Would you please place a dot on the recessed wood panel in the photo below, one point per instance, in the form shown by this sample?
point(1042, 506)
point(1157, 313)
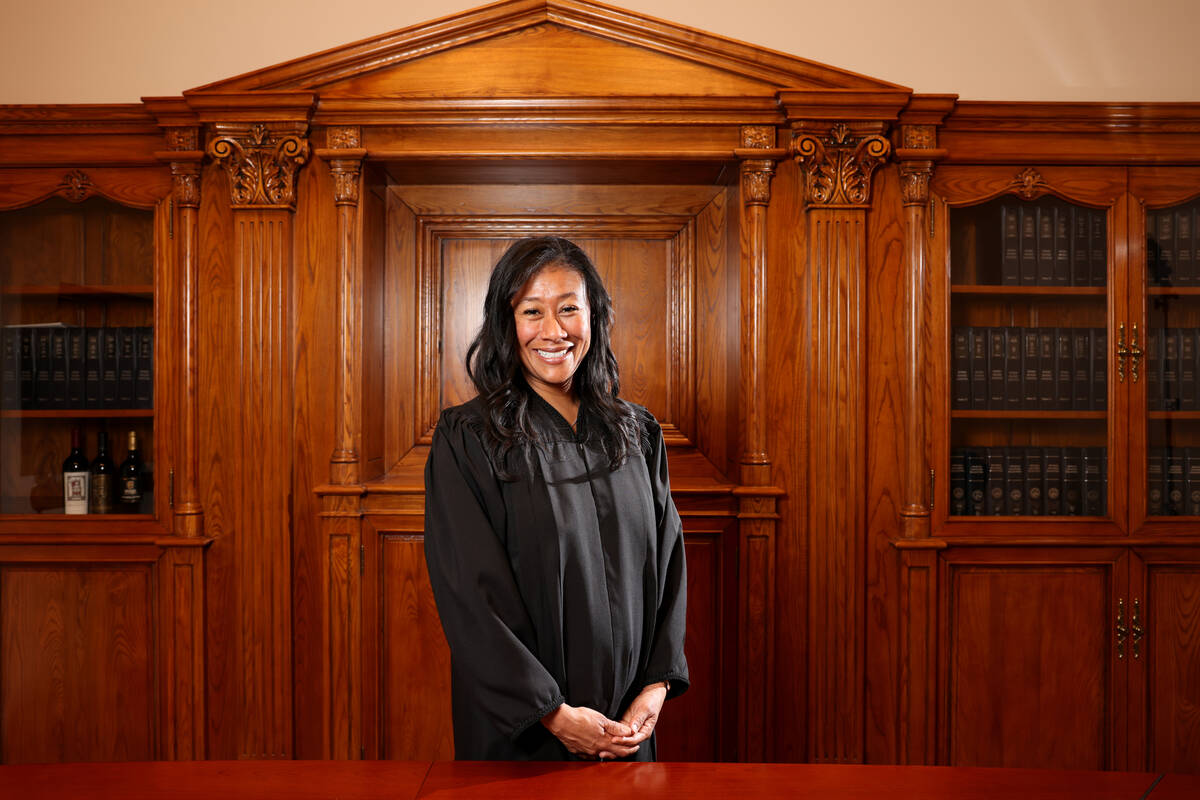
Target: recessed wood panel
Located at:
point(1028, 656)
point(76, 680)
point(1172, 651)
point(415, 660)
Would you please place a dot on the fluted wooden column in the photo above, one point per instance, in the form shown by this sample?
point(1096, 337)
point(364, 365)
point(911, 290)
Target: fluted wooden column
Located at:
point(340, 517)
point(757, 516)
point(917, 153)
point(838, 160)
point(261, 160)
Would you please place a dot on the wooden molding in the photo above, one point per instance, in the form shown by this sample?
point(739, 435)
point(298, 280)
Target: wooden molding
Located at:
point(261, 161)
point(838, 163)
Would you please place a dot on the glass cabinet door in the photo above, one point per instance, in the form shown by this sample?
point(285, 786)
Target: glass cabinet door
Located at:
point(77, 310)
point(1166, 357)
point(1029, 384)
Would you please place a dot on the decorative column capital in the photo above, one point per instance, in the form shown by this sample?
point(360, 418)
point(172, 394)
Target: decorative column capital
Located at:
point(184, 155)
point(344, 152)
point(261, 160)
point(916, 143)
point(758, 155)
point(838, 161)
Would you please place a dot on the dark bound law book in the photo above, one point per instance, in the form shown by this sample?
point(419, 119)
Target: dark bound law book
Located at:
point(108, 367)
point(42, 386)
point(1052, 473)
point(1072, 481)
point(126, 366)
point(1029, 249)
point(1081, 253)
point(1154, 483)
point(1047, 398)
point(1187, 369)
point(1062, 246)
point(1014, 482)
point(76, 388)
point(958, 483)
point(1093, 481)
point(1165, 237)
point(1034, 482)
point(1170, 369)
point(979, 367)
point(92, 368)
point(1154, 271)
point(976, 481)
point(994, 458)
point(1174, 463)
point(1031, 362)
point(10, 368)
point(960, 368)
point(27, 368)
point(1185, 262)
point(1099, 369)
point(1010, 233)
point(1099, 245)
point(997, 351)
point(1191, 481)
point(57, 397)
point(1153, 369)
point(1081, 372)
point(143, 388)
point(1045, 258)
point(1012, 368)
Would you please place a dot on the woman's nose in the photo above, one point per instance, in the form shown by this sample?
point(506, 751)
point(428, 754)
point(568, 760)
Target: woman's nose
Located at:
point(552, 328)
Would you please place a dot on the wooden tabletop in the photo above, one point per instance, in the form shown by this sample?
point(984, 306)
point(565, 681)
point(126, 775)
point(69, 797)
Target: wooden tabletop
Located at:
point(447, 780)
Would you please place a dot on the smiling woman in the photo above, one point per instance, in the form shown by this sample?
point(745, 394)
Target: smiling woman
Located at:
point(554, 549)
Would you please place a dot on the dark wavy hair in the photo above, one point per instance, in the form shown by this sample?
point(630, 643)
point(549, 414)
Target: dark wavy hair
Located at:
point(494, 362)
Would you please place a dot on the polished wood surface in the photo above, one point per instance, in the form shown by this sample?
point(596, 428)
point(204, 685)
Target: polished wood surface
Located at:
point(464, 779)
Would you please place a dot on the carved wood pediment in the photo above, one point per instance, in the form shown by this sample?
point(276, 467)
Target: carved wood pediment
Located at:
point(544, 48)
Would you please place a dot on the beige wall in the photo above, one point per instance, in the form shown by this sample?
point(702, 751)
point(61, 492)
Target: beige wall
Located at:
point(114, 51)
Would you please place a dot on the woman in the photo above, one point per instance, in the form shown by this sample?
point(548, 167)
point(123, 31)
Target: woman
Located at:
point(553, 546)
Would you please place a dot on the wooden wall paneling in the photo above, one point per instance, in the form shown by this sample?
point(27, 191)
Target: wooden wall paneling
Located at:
point(77, 660)
point(181, 680)
point(139, 188)
point(323, 685)
point(1050, 701)
point(838, 160)
point(404, 331)
point(787, 438)
point(885, 469)
point(260, 162)
point(1164, 660)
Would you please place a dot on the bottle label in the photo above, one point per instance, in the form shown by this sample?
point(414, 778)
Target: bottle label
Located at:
point(131, 490)
point(102, 494)
point(75, 492)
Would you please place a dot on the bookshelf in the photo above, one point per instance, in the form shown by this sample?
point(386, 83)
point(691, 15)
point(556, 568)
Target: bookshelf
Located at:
point(77, 296)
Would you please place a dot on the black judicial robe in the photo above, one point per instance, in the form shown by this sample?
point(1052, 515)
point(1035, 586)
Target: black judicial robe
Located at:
point(567, 585)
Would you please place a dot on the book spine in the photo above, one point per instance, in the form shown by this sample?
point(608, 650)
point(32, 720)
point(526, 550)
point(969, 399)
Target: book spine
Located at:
point(93, 398)
point(108, 366)
point(1014, 481)
point(1099, 388)
point(1012, 368)
point(1191, 468)
point(958, 483)
point(1154, 369)
point(1165, 235)
point(1154, 483)
point(979, 368)
point(1170, 369)
point(994, 458)
point(1093, 501)
point(76, 391)
point(143, 395)
point(1081, 254)
point(1010, 232)
point(1081, 379)
point(1154, 271)
point(1030, 368)
point(58, 368)
point(1045, 257)
point(976, 482)
point(1062, 246)
point(961, 368)
point(43, 388)
point(1174, 482)
point(1072, 480)
point(1099, 245)
point(1029, 253)
point(28, 368)
point(1187, 369)
point(1052, 475)
point(1034, 482)
point(997, 349)
point(1047, 397)
point(10, 371)
point(1184, 252)
point(126, 366)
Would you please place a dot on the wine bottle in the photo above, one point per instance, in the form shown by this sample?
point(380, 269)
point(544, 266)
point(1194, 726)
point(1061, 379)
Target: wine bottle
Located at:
point(102, 477)
point(129, 479)
point(75, 477)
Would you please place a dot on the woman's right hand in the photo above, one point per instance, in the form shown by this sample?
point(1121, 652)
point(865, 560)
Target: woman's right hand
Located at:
point(586, 732)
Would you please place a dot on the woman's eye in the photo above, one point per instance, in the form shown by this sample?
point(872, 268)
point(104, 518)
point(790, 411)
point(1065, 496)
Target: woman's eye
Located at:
point(569, 309)
point(530, 312)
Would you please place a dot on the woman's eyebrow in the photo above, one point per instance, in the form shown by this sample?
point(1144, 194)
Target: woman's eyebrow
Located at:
point(532, 298)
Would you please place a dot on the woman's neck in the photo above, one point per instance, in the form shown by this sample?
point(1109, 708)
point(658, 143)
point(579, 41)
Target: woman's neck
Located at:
point(563, 400)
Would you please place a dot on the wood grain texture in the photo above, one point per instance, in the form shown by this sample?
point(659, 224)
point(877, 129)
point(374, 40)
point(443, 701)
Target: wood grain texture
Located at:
point(835, 366)
point(1171, 650)
point(1048, 701)
point(76, 657)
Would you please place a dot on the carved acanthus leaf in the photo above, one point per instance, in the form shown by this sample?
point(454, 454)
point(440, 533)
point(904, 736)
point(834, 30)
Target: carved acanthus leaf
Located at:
point(76, 186)
point(756, 181)
point(838, 166)
point(261, 165)
point(345, 180)
point(1030, 184)
point(185, 178)
point(914, 181)
point(758, 137)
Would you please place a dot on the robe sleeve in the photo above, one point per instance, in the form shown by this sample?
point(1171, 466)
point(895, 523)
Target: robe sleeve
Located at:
point(487, 625)
point(667, 661)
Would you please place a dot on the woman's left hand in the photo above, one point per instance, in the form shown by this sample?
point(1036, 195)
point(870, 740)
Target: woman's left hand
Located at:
point(642, 714)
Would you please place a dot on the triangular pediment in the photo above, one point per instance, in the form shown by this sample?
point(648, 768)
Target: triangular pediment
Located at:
point(545, 48)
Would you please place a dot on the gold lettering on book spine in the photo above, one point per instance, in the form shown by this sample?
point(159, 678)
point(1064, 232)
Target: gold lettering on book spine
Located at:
point(261, 164)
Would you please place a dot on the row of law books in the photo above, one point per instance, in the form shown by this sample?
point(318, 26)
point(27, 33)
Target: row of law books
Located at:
point(1173, 481)
point(1028, 481)
point(1053, 244)
point(56, 366)
point(1047, 369)
point(1172, 366)
point(1171, 244)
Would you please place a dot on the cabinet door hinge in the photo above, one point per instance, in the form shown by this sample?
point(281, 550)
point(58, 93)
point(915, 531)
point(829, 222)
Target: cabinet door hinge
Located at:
point(362, 559)
point(171, 488)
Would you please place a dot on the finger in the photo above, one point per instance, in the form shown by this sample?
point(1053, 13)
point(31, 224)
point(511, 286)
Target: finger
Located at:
point(613, 751)
point(614, 728)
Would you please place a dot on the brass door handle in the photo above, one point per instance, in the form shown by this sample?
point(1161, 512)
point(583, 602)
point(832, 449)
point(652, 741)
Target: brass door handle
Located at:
point(1122, 353)
point(1122, 631)
point(1135, 351)
point(1136, 628)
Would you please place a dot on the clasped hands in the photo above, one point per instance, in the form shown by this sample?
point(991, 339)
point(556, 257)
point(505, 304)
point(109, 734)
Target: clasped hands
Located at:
point(586, 732)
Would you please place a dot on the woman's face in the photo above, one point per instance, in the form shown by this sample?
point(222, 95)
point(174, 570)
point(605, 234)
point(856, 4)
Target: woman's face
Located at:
point(554, 327)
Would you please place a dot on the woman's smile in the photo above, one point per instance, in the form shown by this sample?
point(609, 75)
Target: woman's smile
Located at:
point(553, 327)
